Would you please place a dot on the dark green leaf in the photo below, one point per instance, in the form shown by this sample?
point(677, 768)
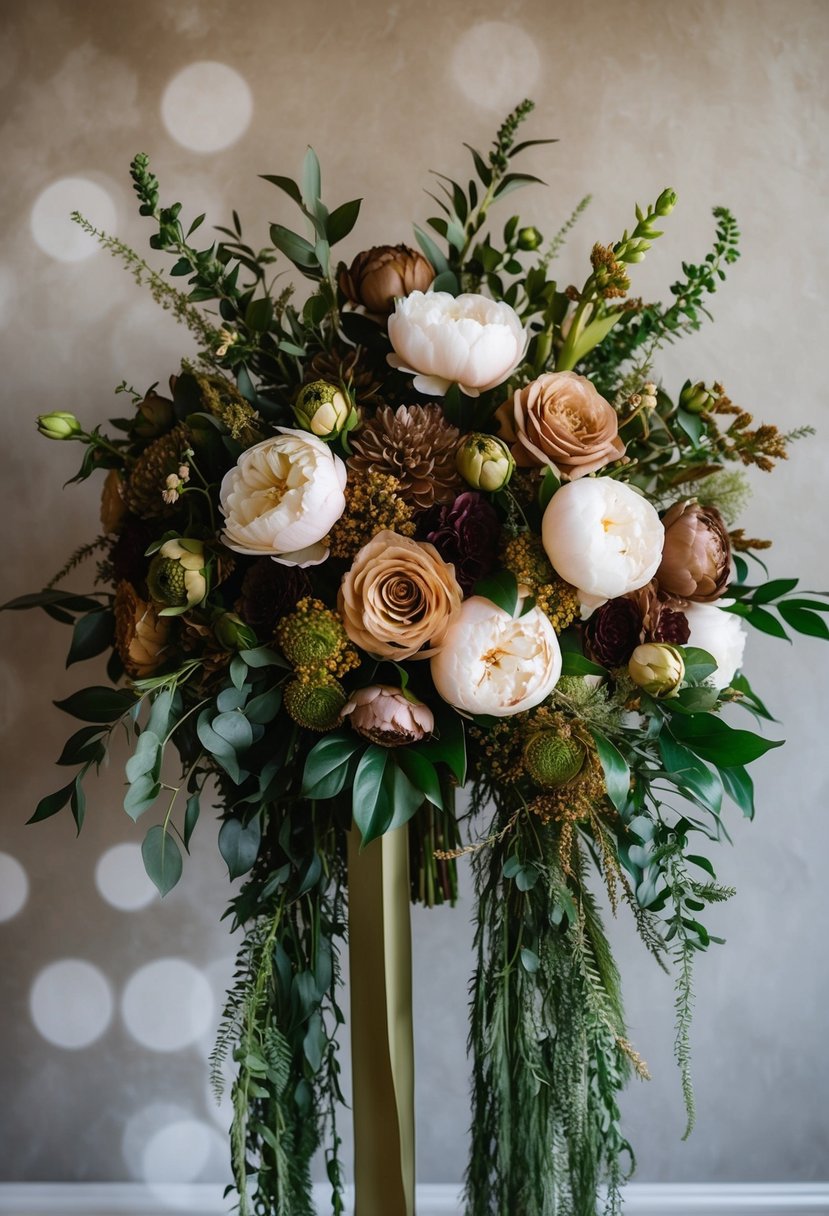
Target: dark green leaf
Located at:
point(763, 620)
point(690, 774)
point(98, 704)
point(739, 786)
point(372, 803)
point(803, 621)
point(529, 143)
point(699, 664)
point(264, 708)
point(191, 818)
point(146, 758)
point(341, 220)
point(239, 845)
point(162, 858)
point(714, 740)
point(52, 596)
point(84, 745)
point(295, 247)
point(616, 770)
point(77, 802)
point(421, 772)
point(52, 803)
point(550, 482)
point(263, 656)
point(448, 744)
point(438, 259)
point(447, 281)
point(234, 728)
point(92, 635)
point(574, 664)
point(501, 588)
point(514, 181)
point(284, 183)
point(141, 795)
point(773, 590)
point(326, 766)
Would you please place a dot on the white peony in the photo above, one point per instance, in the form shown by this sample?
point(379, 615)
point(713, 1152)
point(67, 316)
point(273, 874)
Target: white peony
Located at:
point(468, 340)
point(722, 634)
point(602, 537)
point(493, 663)
point(282, 497)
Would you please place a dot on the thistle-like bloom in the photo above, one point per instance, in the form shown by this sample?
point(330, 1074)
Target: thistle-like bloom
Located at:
point(468, 340)
point(496, 664)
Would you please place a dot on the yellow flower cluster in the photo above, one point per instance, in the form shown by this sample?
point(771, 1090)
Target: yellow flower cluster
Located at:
point(524, 557)
point(313, 640)
point(372, 504)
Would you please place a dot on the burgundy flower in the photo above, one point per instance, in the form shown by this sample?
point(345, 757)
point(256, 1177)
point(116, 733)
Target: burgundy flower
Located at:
point(613, 632)
point(662, 617)
point(466, 534)
point(671, 626)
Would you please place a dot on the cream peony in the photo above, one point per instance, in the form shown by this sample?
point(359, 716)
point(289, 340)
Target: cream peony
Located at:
point(496, 664)
point(722, 634)
point(602, 537)
point(282, 497)
point(467, 340)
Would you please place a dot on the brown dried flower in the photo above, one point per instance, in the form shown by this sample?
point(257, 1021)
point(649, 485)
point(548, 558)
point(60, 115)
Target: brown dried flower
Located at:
point(378, 276)
point(148, 477)
point(398, 597)
point(415, 444)
point(561, 420)
point(141, 635)
point(696, 556)
point(113, 506)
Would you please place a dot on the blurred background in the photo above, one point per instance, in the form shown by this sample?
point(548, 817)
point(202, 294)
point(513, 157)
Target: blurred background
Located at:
point(111, 997)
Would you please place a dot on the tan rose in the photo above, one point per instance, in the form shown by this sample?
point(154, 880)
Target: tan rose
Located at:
point(141, 635)
point(398, 597)
point(113, 504)
point(696, 557)
point(377, 277)
point(561, 420)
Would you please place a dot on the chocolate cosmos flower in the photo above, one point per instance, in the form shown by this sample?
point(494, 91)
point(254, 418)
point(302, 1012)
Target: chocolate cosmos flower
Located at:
point(466, 535)
point(613, 632)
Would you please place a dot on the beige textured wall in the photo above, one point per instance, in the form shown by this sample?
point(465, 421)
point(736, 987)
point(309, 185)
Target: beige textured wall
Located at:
point(726, 101)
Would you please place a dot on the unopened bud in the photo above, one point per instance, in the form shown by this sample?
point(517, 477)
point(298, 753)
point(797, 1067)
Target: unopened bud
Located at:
point(657, 668)
point(529, 238)
point(323, 409)
point(695, 397)
point(484, 462)
point(666, 202)
point(58, 425)
point(232, 632)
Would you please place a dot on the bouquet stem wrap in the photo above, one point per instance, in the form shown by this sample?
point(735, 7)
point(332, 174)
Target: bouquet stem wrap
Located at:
point(382, 1046)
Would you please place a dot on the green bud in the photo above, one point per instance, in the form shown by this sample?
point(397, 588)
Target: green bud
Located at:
point(232, 632)
point(552, 760)
point(323, 409)
point(666, 202)
point(58, 425)
point(484, 462)
point(695, 397)
point(529, 238)
point(657, 668)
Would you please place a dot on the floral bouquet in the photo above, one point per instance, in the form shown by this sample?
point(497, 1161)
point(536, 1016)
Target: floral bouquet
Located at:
point(433, 524)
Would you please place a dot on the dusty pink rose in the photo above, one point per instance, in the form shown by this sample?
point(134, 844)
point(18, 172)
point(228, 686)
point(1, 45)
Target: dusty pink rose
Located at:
point(386, 715)
point(561, 420)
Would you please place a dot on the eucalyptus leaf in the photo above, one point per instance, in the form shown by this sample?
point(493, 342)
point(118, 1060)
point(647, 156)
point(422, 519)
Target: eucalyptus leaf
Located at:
point(162, 859)
point(239, 845)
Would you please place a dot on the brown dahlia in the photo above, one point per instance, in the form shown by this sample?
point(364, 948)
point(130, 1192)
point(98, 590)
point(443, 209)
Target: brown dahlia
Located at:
point(415, 444)
point(148, 477)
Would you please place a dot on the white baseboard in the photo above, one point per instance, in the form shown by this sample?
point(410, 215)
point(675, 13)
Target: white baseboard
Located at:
point(642, 1199)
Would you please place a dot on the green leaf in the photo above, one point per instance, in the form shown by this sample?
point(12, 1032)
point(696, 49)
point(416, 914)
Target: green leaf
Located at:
point(740, 684)
point(529, 960)
point(162, 859)
point(314, 1042)
point(234, 728)
point(326, 766)
point(263, 656)
point(264, 708)
point(406, 798)
point(699, 664)
point(514, 181)
point(77, 802)
point(616, 770)
point(146, 758)
point(259, 314)
point(84, 745)
point(191, 818)
point(529, 143)
point(762, 620)
point(591, 336)
point(239, 845)
point(550, 482)
point(52, 803)
point(98, 704)
point(724, 746)
point(803, 621)
point(421, 773)
point(431, 250)
point(141, 795)
point(311, 180)
point(773, 590)
point(575, 664)
point(739, 786)
point(372, 804)
point(166, 704)
point(284, 183)
point(92, 635)
point(295, 247)
point(501, 588)
point(341, 220)
point(690, 773)
point(691, 424)
point(447, 281)
point(448, 743)
point(692, 700)
point(51, 597)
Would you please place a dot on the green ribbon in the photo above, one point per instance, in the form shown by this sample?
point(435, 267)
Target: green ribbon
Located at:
point(382, 1045)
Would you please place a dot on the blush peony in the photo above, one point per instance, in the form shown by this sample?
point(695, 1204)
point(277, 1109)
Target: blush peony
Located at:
point(282, 497)
point(602, 537)
point(468, 340)
point(493, 663)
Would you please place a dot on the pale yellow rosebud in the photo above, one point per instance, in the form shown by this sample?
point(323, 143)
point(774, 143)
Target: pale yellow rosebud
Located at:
point(484, 462)
point(58, 425)
point(657, 668)
point(323, 409)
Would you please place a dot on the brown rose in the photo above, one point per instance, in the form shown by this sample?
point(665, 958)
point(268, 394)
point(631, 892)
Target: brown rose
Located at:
point(140, 633)
point(696, 557)
point(561, 420)
point(378, 276)
point(398, 597)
